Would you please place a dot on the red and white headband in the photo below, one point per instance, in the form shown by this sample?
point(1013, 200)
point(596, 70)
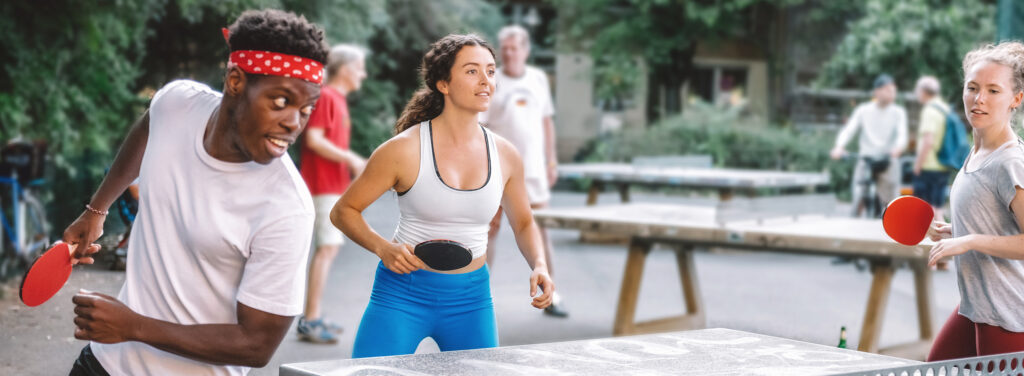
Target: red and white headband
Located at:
point(277, 64)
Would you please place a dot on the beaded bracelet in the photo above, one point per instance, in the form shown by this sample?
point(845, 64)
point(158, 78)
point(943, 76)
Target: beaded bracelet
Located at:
point(94, 211)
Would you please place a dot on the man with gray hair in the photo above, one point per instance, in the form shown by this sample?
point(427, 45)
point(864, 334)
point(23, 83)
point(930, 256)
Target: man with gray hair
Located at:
point(521, 111)
point(930, 176)
point(327, 166)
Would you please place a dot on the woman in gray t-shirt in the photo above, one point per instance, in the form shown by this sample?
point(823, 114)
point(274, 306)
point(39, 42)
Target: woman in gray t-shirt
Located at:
point(986, 237)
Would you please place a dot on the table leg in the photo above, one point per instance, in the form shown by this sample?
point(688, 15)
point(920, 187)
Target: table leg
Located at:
point(725, 194)
point(625, 318)
point(878, 298)
point(624, 192)
point(688, 277)
point(630, 290)
point(923, 292)
point(595, 189)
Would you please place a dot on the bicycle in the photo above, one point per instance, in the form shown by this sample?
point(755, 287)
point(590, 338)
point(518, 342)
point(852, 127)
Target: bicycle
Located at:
point(27, 230)
point(868, 204)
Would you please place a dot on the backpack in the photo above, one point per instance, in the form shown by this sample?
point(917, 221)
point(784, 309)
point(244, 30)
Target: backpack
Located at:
point(954, 147)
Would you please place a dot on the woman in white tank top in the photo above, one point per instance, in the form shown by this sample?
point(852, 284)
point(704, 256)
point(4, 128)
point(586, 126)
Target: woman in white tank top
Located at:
point(451, 175)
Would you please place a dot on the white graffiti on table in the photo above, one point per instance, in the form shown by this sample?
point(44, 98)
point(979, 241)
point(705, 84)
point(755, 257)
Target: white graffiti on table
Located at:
point(601, 349)
point(518, 369)
point(561, 357)
point(378, 370)
point(790, 352)
point(724, 342)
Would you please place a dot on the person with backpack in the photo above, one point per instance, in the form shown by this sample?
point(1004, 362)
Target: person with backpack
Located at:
point(930, 176)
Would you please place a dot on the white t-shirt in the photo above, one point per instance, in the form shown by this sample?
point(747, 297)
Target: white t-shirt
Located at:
point(209, 234)
point(517, 113)
point(882, 129)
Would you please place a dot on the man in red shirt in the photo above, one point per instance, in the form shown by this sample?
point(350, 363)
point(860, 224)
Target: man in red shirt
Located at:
point(327, 167)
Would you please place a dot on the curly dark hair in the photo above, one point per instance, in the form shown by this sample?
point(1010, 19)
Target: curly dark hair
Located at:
point(427, 103)
point(278, 31)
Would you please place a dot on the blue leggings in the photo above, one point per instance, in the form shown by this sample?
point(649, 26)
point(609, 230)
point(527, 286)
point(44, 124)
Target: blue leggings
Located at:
point(454, 309)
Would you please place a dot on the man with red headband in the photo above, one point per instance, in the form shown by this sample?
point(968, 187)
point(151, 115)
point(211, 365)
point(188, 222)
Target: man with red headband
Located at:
point(220, 242)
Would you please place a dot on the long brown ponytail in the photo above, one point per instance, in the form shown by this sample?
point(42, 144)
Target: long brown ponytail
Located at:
point(427, 103)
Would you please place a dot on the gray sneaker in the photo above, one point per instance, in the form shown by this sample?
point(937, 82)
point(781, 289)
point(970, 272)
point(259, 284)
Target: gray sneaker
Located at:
point(316, 331)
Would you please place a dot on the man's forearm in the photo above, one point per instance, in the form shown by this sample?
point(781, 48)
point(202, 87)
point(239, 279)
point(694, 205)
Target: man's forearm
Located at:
point(126, 165)
point(923, 150)
point(549, 140)
point(210, 343)
point(329, 151)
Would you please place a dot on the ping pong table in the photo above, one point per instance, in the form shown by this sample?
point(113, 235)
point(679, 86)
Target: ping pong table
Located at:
point(727, 181)
point(704, 352)
point(685, 228)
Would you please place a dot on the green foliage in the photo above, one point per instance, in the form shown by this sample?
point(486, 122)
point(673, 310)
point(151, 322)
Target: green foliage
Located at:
point(397, 42)
point(184, 40)
point(78, 73)
point(661, 33)
point(908, 39)
point(731, 140)
point(68, 78)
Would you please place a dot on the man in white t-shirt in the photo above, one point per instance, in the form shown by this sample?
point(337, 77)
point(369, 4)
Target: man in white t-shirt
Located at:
point(219, 246)
point(882, 128)
point(521, 112)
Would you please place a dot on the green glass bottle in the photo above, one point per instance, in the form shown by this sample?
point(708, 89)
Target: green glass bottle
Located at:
point(842, 338)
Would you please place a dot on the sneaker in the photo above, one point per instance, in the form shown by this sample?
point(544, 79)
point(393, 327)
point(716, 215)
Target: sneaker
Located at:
point(556, 310)
point(316, 331)
point(331, 325)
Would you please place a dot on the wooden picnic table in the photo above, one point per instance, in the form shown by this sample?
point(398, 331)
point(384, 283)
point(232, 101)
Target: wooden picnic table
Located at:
point(727, 181)
point(685, 228)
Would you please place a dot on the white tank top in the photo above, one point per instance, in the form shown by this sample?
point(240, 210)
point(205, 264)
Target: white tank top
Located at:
point(431, 209)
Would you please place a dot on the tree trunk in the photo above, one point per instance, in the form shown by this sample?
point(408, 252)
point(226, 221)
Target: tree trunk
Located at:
point(668, 79)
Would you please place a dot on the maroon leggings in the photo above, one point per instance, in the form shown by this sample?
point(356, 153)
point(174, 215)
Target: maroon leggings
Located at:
point(963, 338)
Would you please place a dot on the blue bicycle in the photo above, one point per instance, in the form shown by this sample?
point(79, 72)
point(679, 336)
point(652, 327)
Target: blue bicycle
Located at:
point(24, 235)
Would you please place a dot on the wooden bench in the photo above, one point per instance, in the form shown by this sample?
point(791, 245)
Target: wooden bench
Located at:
point(686, 228)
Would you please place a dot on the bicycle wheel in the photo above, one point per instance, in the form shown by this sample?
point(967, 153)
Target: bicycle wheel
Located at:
point(37, 229)
point(10, 262)
point(10, 265)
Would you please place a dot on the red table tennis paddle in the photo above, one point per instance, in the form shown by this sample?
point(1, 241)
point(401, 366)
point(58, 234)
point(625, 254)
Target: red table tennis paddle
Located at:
point(906, 219)
point(443, 254)
point(46, 275)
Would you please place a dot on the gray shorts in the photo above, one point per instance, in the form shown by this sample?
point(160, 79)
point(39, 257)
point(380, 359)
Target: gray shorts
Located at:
point(324, 232)
point(887, 185)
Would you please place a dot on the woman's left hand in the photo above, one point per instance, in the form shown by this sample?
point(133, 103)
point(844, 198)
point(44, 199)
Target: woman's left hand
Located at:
point(541, 279)
point(949, 248)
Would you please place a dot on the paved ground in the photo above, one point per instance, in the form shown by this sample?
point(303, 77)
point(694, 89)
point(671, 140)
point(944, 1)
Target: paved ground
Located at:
point(805, 298)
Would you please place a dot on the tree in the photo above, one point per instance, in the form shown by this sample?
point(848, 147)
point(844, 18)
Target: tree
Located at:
point(908, 39)
point(78, 73)
point(662, 33)
point(68, 77)
point(397, 40)
point(184, 40)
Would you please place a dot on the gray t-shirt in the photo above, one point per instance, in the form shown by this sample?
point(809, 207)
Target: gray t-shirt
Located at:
point(991, 288)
